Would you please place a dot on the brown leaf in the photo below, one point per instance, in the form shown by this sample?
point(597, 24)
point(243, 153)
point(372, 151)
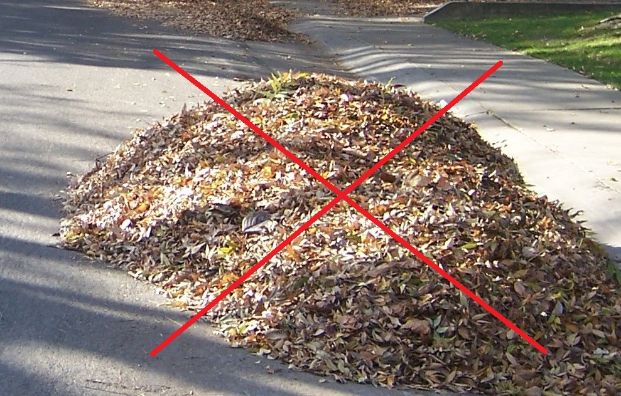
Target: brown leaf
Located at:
point(418, 326)
point(387, 177)
point(534, 391)
point(519, 288)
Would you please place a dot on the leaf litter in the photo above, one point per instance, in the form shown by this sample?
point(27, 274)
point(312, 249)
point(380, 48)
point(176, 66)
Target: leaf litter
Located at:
point(232, 19)
point(191, 203)
point(377, 8)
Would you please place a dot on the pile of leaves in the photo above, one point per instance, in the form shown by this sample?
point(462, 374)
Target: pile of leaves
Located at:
point(375, 8)
point(191, 203)
point(233, 19)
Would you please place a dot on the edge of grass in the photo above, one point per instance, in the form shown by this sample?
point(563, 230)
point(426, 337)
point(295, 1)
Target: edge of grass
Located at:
point(571, 40)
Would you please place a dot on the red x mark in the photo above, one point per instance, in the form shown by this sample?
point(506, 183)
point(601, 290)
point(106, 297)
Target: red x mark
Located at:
point(340, 194)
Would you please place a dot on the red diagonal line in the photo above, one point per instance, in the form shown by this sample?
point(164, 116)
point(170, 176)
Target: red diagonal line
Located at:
point(245, 276)
point(340, 195)
point(246, 121)
point(423, 127)
point(448, 276)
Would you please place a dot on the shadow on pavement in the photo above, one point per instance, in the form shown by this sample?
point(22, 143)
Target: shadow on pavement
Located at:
point(73, 33)
point(419, 53)
point(561, 128)
point(69, 327)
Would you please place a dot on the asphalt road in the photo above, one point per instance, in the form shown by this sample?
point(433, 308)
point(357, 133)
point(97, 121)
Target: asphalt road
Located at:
point(74, 81)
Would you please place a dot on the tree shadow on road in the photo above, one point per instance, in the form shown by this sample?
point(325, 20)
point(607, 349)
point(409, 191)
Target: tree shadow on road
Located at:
point(91, 328)
point(71, 32)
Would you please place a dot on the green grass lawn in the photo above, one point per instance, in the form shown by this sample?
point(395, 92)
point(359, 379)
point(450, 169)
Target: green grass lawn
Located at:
point(570, 40)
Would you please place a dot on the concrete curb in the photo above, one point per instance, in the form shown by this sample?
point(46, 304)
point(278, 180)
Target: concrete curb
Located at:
point(469, 10)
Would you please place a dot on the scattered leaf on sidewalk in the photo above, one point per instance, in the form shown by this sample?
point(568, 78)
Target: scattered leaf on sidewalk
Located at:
point(372, 8)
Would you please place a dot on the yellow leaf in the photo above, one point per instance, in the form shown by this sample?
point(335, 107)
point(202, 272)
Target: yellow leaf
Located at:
point(267, 172)
point(143, 207)
point(225, 250)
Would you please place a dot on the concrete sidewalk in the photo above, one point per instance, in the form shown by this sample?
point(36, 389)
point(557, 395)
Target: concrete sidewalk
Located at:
point(563, 130)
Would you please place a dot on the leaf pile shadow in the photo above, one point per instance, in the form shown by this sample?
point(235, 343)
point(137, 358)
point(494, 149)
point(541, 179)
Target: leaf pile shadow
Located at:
point(191, 203)
point(233, 19)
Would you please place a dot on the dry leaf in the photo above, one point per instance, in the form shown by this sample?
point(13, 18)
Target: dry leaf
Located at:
point(418, 326)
